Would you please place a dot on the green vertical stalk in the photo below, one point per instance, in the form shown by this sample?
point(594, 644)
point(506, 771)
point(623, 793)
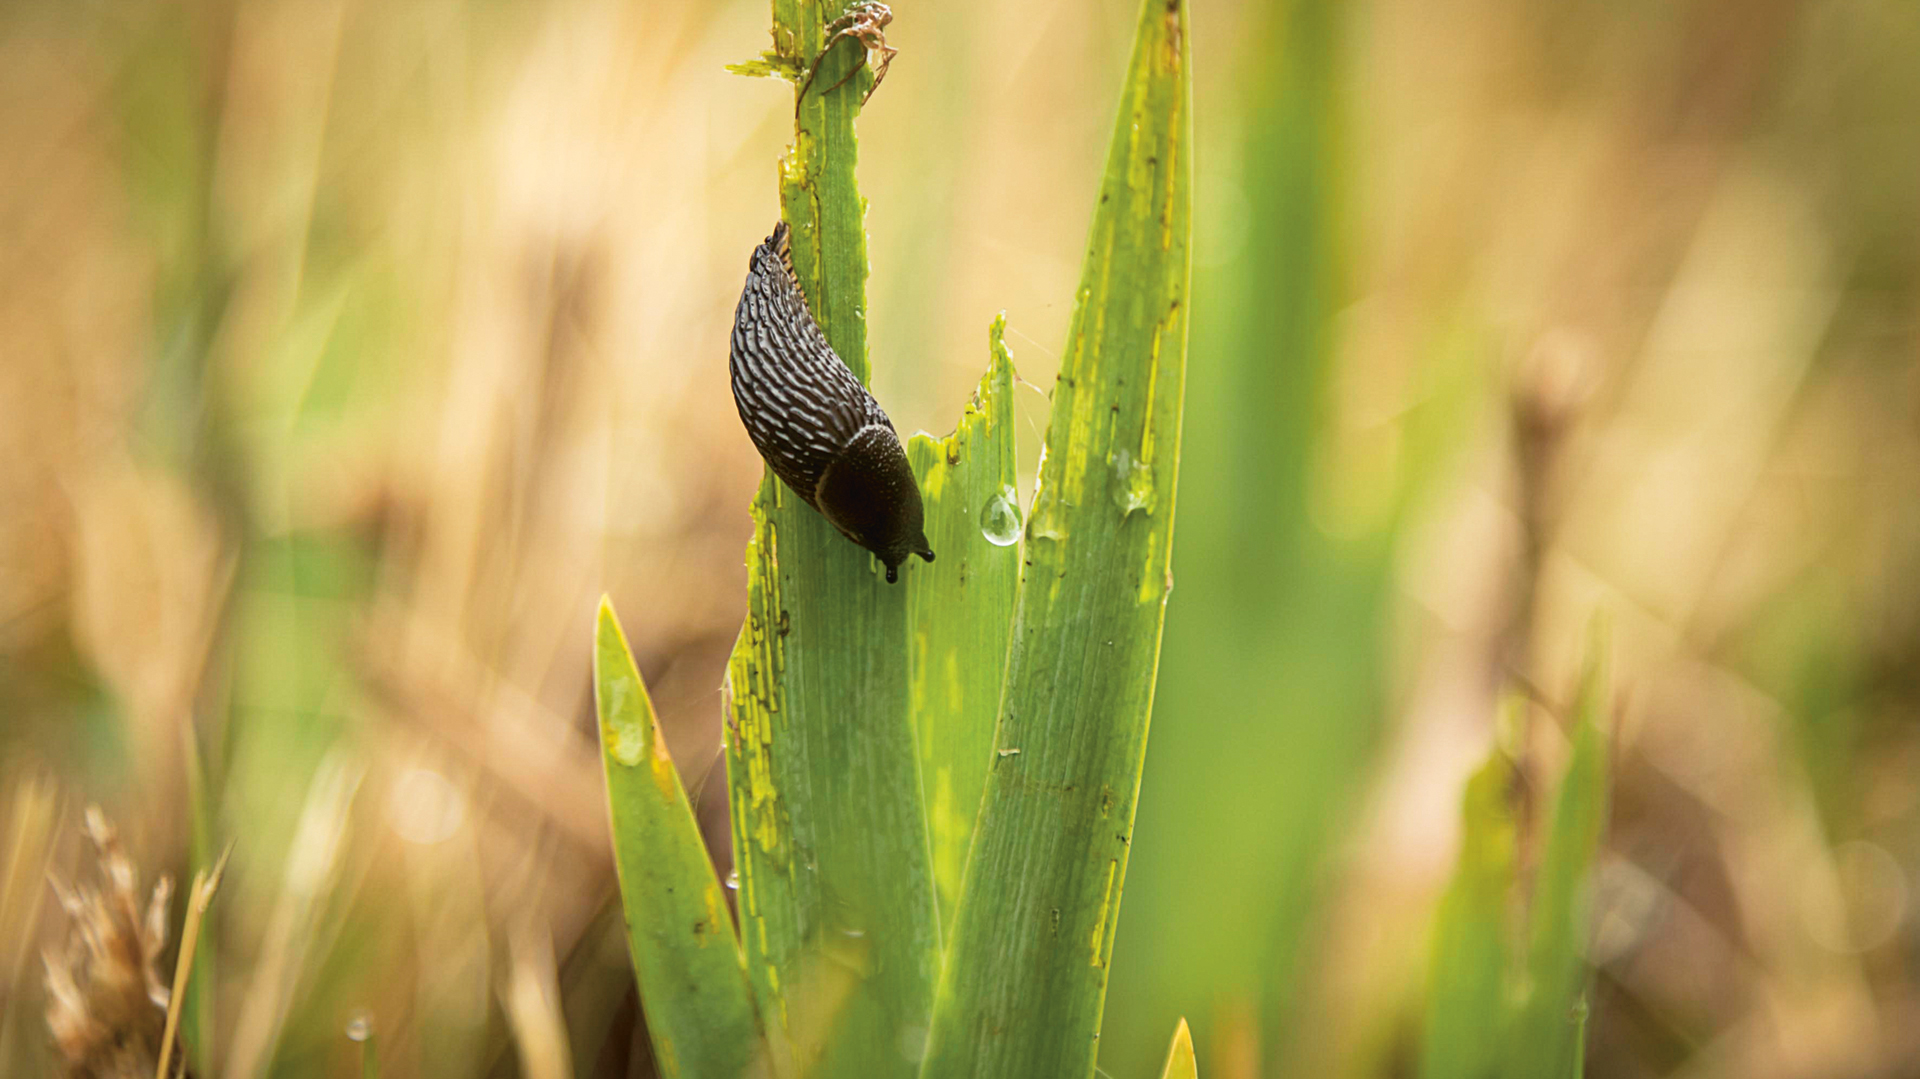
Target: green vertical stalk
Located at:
point(829, 834)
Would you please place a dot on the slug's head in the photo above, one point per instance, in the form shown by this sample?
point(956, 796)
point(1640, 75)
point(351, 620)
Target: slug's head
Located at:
point(907, 536)
point(870, 495)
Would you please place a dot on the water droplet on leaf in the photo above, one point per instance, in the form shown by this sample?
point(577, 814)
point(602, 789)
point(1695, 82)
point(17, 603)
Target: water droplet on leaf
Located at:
point(1000, 518)
point(1132, 482)
point(1045, 522)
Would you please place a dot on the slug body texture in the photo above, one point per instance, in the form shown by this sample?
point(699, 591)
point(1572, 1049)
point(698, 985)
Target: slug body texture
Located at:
point(819, 429)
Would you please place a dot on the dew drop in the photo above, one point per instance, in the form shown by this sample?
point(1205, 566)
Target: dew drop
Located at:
point(1132, 482)
point(1045, 522)
point(733, 880)
point(359, 1028)
point(1000, 518)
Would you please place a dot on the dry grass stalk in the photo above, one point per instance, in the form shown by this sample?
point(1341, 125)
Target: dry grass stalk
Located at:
point(28, 838)
point(204, 885)
point(532, 999)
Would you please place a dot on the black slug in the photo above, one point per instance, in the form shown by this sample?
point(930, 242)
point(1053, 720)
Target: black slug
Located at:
point(818, 428)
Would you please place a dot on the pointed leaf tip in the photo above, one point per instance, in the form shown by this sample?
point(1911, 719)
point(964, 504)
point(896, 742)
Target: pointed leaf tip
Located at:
point(1180, 1061)
point(699, 1007)
point(608, 637)
point(620, 699)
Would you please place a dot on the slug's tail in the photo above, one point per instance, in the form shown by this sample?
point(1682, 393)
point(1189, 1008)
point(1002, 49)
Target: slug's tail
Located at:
point(777, 245)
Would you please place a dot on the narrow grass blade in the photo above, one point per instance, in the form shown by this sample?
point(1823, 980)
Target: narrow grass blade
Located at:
point(197, 1009)
point(23, 875)
point(1027, 967)
point(830, 839)
point(1180, 1062)
point(961, 610)
point(1549, 1030)
point(1467, 999)
point(692, 982)
point(199, 898)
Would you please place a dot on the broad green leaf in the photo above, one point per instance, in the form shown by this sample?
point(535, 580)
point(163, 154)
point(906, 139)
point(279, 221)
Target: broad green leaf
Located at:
point(1467, 996)
point(685, 957)
point(829, 835)
point(1180, 1062)
point(1549, 1031)
point(961, 610)
point(1027, 966)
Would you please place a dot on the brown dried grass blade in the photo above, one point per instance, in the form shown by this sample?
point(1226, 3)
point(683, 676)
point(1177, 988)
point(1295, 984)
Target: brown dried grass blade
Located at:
point(200, 897)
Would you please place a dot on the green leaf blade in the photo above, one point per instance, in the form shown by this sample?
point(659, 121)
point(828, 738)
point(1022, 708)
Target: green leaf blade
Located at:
point(961, 611)
point(1026, 971)
point(823, 771)
point(686, 958)
point(1467, 1000)
point(1549, 1031)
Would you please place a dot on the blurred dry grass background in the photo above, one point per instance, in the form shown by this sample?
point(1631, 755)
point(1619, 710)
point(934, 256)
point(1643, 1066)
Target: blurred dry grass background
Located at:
point(352, 350)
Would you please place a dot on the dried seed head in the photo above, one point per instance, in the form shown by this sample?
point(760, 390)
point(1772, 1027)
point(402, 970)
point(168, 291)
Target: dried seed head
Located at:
point(819, 429)
point(106, 994)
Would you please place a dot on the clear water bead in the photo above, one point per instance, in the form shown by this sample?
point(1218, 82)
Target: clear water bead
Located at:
point(1000, 519)
point(1132, 483)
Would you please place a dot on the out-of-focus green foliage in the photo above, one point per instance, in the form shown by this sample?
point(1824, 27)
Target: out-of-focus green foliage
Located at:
point(1547, 1035)
point(1271, 606)
point(1514, 1005)
point(1469, 1011)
